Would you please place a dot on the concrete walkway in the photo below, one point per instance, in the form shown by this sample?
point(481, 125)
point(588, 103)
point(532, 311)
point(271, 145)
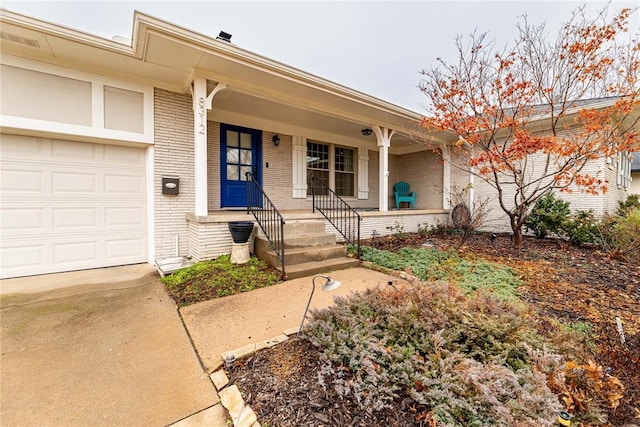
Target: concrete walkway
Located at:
point(110, 351)
point(229, 323)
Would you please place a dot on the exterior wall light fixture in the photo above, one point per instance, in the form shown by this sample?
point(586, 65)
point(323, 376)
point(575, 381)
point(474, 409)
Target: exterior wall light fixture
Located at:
point(276, 140)
point(367, 131)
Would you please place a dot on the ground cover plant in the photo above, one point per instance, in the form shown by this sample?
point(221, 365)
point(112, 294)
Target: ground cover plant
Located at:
point(218, 278)
point(432, 264)
point(463, 361)
point(570, 297)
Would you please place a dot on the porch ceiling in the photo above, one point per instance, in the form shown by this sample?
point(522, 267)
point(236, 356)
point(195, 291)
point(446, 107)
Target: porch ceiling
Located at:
point(245, 109)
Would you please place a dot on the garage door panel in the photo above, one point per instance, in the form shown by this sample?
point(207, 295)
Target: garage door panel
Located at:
point(64, 182)
point(124, 155)
point(73, 151)
point(74, 218)
point(75, 252)
point(22, 219)
point(14, 146)
point(120, 217)
point(23, 257)
point(69, 205)
point(20, 181)
point(124, 248)
point(123, 184)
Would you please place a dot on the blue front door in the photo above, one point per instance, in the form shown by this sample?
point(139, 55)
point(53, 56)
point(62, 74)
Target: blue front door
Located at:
point(241, 152)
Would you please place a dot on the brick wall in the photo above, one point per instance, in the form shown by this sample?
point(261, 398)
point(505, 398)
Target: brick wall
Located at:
point(173, 156)
point(213, 165)
point(277, 178)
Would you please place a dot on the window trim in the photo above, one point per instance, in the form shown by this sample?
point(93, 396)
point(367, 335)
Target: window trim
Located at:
point(623, 170)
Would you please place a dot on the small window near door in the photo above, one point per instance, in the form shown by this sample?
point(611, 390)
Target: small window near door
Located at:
point(332, 165)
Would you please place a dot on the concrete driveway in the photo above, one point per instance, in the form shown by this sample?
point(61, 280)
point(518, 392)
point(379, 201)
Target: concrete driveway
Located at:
point(111, 350)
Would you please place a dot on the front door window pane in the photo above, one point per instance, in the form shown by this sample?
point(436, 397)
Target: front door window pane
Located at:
point(245, 140)
point(245, 157)
point(232, 139)
point(243, 172)
point(232, 172)
point(232, 155)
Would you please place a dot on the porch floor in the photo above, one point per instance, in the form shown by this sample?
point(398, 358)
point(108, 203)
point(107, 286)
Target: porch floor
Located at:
point(295, 214)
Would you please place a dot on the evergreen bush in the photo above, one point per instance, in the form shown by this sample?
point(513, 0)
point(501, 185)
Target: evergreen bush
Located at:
point(549, 215)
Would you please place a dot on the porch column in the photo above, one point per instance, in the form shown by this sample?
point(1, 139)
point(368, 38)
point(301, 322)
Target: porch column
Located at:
point(201, 104)
point(446, 177)
point(383, 136)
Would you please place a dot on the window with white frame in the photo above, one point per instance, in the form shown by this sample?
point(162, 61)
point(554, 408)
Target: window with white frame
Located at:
point(624, 169)
point(333, 165)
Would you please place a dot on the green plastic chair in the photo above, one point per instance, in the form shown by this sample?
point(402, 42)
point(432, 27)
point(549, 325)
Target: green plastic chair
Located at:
point(402, 194)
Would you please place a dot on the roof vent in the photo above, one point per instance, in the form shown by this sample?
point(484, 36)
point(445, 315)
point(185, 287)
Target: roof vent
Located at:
point(18, 39)
point(225, 37)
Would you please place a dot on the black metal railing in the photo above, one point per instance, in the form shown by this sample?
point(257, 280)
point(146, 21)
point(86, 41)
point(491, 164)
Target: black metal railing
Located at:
point(338, 212)
point(268, 217)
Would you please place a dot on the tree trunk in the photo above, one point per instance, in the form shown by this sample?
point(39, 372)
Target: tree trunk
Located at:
point(516, 227)
point(517, 237)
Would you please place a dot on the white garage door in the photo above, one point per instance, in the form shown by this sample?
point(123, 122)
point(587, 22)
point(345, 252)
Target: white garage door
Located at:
point(69, 205)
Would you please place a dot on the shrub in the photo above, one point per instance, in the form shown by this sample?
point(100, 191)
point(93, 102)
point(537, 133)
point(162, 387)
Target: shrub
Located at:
point(465, 217)
point(398, 230)
point(582, 227)
point(549, 215)
point(621, 234)
point(467, 361)
point(632, 202)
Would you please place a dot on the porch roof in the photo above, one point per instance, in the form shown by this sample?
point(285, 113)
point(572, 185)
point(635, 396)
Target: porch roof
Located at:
point(169, 56)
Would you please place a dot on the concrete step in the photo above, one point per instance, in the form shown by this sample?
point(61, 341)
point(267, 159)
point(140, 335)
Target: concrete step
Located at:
point(303, 227)
point(307, 240)
point(297, 227)
point(307, 254)
point(299, 241)
point(316, 267)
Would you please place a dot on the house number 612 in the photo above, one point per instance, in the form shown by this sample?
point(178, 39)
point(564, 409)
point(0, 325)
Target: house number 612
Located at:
point(202, 114)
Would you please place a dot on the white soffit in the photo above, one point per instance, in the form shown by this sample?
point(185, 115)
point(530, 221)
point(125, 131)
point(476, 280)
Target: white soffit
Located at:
point(171, 53)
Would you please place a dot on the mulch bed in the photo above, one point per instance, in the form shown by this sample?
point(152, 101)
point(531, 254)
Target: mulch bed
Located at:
point(563, 281)
point(281, 386)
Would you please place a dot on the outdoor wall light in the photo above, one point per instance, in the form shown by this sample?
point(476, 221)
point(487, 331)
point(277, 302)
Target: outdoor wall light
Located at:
point(276, 140)
point(329, 285)
point(367, 131)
